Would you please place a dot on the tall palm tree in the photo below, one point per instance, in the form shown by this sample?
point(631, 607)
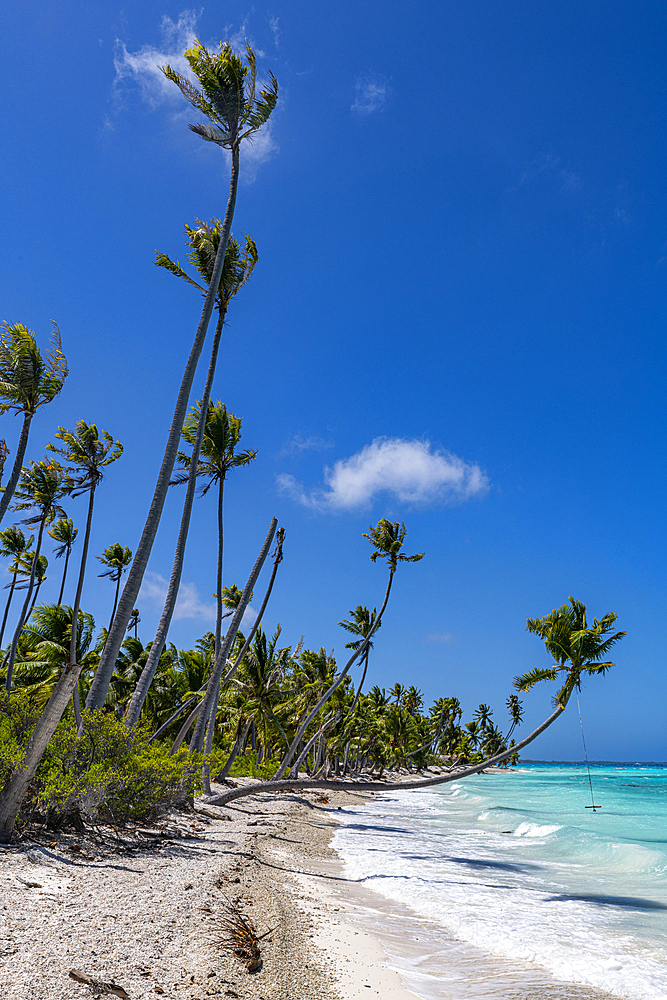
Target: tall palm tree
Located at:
point(116, 559)
point(63, 532)
point(238, 267)
point(361, 624)
point(229, 99)
point(13, 545)
point(41, 488)
point(40, 578)
point(28, 380)
point(386, 538)
point(222, 433)
point(577, 647)
point(87, 452)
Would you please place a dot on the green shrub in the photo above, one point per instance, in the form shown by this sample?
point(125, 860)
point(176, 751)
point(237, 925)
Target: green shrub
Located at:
point(244, 766)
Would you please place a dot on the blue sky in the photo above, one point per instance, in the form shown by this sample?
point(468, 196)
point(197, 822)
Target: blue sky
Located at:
point(457, 319)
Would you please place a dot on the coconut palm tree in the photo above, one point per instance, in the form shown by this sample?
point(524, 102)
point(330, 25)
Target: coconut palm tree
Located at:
point(229, 100)
point(40, 578)
point(116, 559)
point(222, 433)
point(238, 267)
point(386, 538)
point(87, 452)
point(28, 380)
point(13, 545)
point(63, 532)
point(44, 649)
point(576, 647)
point(41, 488)
point(362, 624)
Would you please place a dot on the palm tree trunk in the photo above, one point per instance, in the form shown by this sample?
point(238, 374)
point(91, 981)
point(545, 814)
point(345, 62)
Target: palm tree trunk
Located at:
point(24, 610)
point(218, 589)
point(34, 600)
point(16, 468)
point(9, 601)
point(213, 687)
point(239, 743)
point(339, 680)
point(148, 673)
point(104, 673)
point(17, 784)
point(115, 600)
point(62, 585)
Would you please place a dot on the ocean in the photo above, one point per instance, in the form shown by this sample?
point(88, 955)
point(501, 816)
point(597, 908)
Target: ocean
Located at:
point(511, 875)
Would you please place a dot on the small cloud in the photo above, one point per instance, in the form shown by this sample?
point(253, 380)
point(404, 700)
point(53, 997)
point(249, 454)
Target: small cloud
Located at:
point(371, 93)
point(546, 164)
point(298, 444)
point(189, 603)
point(273, 24)
point(409, 470)
point(440, 637)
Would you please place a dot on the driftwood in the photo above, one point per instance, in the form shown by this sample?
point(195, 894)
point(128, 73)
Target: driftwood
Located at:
point(97, 984)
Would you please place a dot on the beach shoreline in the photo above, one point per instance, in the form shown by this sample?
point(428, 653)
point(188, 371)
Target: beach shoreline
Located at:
point(149, 918)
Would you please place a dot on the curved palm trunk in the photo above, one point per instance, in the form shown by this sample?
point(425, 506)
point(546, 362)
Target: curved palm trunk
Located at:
point(17, 784)
point(382, 786)
point(148, 673)
point(9, 601)
point(24, 610)
point(287, 759)
point(62, 584)
point(212, 691)
point(102, 679)
point(115, 600)
point(239, 743)
point(8, 493)
point(77, 603)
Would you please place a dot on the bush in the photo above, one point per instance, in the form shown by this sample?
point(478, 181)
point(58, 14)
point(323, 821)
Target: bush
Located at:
point(244, 767)
point(110, 773)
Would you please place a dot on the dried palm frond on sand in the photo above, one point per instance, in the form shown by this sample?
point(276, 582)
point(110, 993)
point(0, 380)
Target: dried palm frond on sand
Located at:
point(240, 934)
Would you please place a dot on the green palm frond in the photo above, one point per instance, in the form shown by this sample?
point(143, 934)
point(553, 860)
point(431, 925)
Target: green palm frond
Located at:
point(28, 379)
point(162, 260)
point(87, 452)
point(526, 681)
point(387, 539)
point(203, 241)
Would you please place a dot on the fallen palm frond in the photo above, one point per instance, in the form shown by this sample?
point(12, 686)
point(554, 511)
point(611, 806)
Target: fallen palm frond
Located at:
point(240, 934)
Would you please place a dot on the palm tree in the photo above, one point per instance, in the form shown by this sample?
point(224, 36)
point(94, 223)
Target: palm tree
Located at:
point(64, 532)
point(116, 559)
point(222, 433)
point(515, 708)
point(362, 624)
point(4, 455)
point(134, 621)
point(387, 539)
point(87, 453)
point(40, 488)
point(576, 647)
point(13, 545)
point(40, 577)
point(238, 267)
point(27, 381)
point(229, 100)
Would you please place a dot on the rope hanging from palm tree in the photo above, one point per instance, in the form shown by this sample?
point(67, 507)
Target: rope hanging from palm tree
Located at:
point(588, 766)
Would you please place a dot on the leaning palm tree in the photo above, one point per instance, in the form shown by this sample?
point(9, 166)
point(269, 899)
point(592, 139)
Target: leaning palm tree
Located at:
point(238, 267)
point(222, 433)
point(13, 545)
point(40, 489)
point(63, 532)
point(362, 624)
point(236, 112)
point(387, 539)
point(28, 380)
point(87, 453)
point(116, 559)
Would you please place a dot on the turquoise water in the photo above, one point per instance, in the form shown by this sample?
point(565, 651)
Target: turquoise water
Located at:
point(515, 865)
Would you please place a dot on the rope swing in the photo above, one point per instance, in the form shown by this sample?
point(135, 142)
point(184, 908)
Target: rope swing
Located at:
point(588, 766)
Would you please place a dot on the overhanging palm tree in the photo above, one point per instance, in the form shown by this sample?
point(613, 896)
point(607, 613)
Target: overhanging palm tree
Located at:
point(116, 559)
point(13, 545)
point(238, 267)
point(63, 532)
point(235, 111)
point(27, 381)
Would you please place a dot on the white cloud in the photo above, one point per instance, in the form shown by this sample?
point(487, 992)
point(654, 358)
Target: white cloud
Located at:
point(189, 603)
point(439, 637)
point(144, 69)
point(370, 95)
point(298, 444)
point(409, 470)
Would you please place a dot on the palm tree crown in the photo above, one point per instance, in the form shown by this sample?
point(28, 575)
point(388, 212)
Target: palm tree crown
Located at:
point(228, 95)
point(204, 241)
point(222, 433)
point(387, 539)
point(87, 452)
point(28, 379)
point(115, 558)
point(576, 647)
point(63, 532)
